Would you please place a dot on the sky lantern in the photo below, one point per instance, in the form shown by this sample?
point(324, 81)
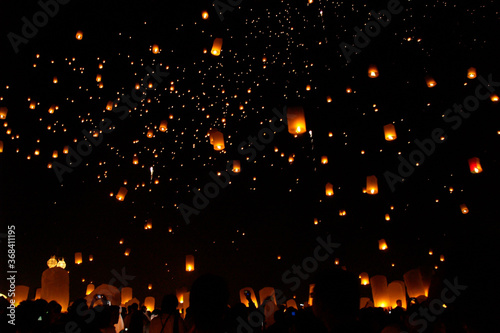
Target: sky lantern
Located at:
point(150, 133)
point(471, 73)
point(121, 194)
point(91, 257)
point(204, 15)
point(308, 87)
point(149, 303)
point(149, 224)
point(150, 286)
point(217, 139)
point(3, 112)
point(390, 132)
point(126, 294)
point(54, 80)
point(348, 90)
point(365, 279)
point(382, 245)
point(155, 49)
point(78, 258)
point(329, 189)
point(163, 126)
point(79, 35)
point(291, 158)
point(371, 185)
point(52, 262)
point(430, 82)
point(1, 146)
point(396, 290)
point(328, 99)
point(387, 217)
point(55, 286)
point(189, 263)
point(315, 221)
point(65, 149)
point(474, 165)
point(379, 291)
point(494, 98)
point(296, 120)
point(342, 212)
point(55, 154)
point(109, 106)
point(372, 71)
point(32, 105)
point(236, 166)
point(216, 47)
point(135, 160)
point(98, 78)
point(414, 282)
point(464, 209)
point(324, 159)
point(127, 252)
point(441, 257)
point(90, 289)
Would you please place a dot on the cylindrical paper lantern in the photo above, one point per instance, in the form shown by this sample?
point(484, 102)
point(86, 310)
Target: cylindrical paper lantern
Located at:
point(371, 185)
point(430, 82)
point(390, 132)
point(149, 303)
point(90, 289)
point(216, 47)
point(121, 194)
point(78, 258)
point(372, 71)
point(365, 279)
point(329, 189)
point(126, 294)
point(474, 165)
point(379, 291)
point(163, 126)
point(55, 286)
point(236, 166)
point(471, 73)
point(21, 294)
point(3, 112)
point(296, 120)
point(189, 263)
point(382, 245)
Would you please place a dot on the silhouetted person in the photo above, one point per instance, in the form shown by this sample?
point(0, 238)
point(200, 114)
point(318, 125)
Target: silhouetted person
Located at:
point(168, 320)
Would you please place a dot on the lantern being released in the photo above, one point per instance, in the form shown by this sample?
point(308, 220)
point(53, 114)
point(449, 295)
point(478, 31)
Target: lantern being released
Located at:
point(189, 263)
point(372, 71)
point(216, 47)
point(121, 194)
point(149, 303)
point(474, 165)
point(296, 120)
point(55, 286)
point(390, 132)
point(90, 289)
point(371, 185)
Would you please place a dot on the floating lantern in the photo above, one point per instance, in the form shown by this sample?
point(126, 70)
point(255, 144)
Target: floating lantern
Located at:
point(396, 290)
point(342, 212)
point(382, 245)
point(474, 165)
point(430, 82)
point(371, 185)
point(441, 257)
point(126, 294)
point(236, 166)
point(54, 80)
point(78, 258)
point(55, 154)
point(324, 159)
point(121, 194)
point(150, 133)
point(372, 71)
point(135, 160)
point(150, 286)
point(65, 149)
point(217, 139)
point(91, 257)
point(365, 279)
point(308, 87)
point(52, 262)
point(149, 303)
point(315, 221)
point(163, 126)
point(414, 282)
point(155, 49)
point(296, 120)
point(149, 224)
point(379, 291)
point(79, 35)
point(109, 106)
point(204, 15)
point(328, 99)
point(3, 112)
point(494, 98)
point(121, 241)
point(471, 73)
point(216, 47)
point(348, 90)
point(55, 286)
point(387, 217)
point(98, 78)
point(127, 252)
point(329, 189)
point(90, 289)
point(390, 132)
point(464, 209)
point(1, 146)
point(291, 158)
point(32, 105)
point(189, 263)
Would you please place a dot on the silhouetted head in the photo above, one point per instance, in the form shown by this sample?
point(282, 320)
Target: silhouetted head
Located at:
point(208, 302)
point(169, 303)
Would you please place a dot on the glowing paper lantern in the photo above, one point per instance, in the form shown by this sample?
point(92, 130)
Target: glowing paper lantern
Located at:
point(387, 217)
point(109, 106)
point(121, 194)
point(441, 257)
point(329, 189)
point(163, 126)
point(372, 71)
point(155, 49)
point(382, 245)
point(324, 160)
point(216, 47)
point(430, 82)
point(149, 303)
point(396, 291)
point(265, 293)
point(65, 149)
point(150, 133)
point(494, 98)
point(379, 291)
point(55, 154)
point(61, 263)
point(78, 258)
point(204, 15)
point(21, 294)
point(464, 209)
point(189, 263)
point(236, 166)
point(91, 257)
point(52, 262)
point(243, 298)
point(149, 224)
point(471, 73)
point(328, 99)
point(55, 286)
point(127, 252)
point(291, 304)
point(38, 293)
point(371, 185)
point(365, 279)
point(90, 289)
point(79, 35)
point(415, 286)
point(98, 78)
point(135, 160)
point(126, 295)
point(474, 165)
point(3, 112)
point(390, 132)
point(217, 139)
point(296, 120)
point(1, 146)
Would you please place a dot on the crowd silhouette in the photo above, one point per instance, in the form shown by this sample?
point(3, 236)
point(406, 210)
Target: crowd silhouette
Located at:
point(336, 308)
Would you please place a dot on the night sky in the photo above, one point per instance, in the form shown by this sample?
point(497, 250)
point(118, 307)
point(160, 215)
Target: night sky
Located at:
point(271, 52)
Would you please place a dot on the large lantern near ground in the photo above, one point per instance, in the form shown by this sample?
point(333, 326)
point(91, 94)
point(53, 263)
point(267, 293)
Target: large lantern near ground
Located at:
point(189, 263)
point(379, 291)
point(55, 286)
point(216, 47)
point(296, 120)
point(371, 185)
point(126, 294)
point(149, 303)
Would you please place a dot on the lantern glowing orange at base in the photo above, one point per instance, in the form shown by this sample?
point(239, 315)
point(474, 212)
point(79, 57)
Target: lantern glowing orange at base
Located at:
point(371, 185)
point(372, 71)
point(390, 132)
point(474, 165)
point(382, 245)
point(471, 73)
point(163, 126)
point(189, 263)
point(430, 82)
point(78, 258)
point(121, 194)
point(216, 47)
point(329, 189)
point(296, 120)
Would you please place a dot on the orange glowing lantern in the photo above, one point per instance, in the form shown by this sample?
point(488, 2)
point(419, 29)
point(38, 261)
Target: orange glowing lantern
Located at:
point(471, 73)
point(150, 286)
point(121, 194)
point(32, 105)
point(348, 90)
point(91, 257)
point(379, 291)
point(3, 112)
point(324, 160)
point(342, 212)
point(163, 126)
point(155, 49)
point(149, 303)
point(430, 82)
point(90, 289)
point(217, 139)
point(79, 35)
point(371, 185)
point(382, 245)
point(1, 146)
point(78, 258)
point(365, 279)
point(54, 80)
point(464, 209)
point(474, 165)
point(328, 99)
point(55, 286)
point(441, 257)
point(150, 133)
point(109, 106)
point(204, 15)
point(315, 221)
point(126, 294)
point(55, 154)
point(372, 71)
point(216, 47)
point(149, 224)
point(98, 78)
point(296, 120)
point(127, 252)
point(236, 166)
point(387, 217)
point(291, 158)
point(308, 87)
point(189, 263)
point(390, 132)
point(494, 98)
point(135, 160)
point(65, 149)
point(329, 189)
